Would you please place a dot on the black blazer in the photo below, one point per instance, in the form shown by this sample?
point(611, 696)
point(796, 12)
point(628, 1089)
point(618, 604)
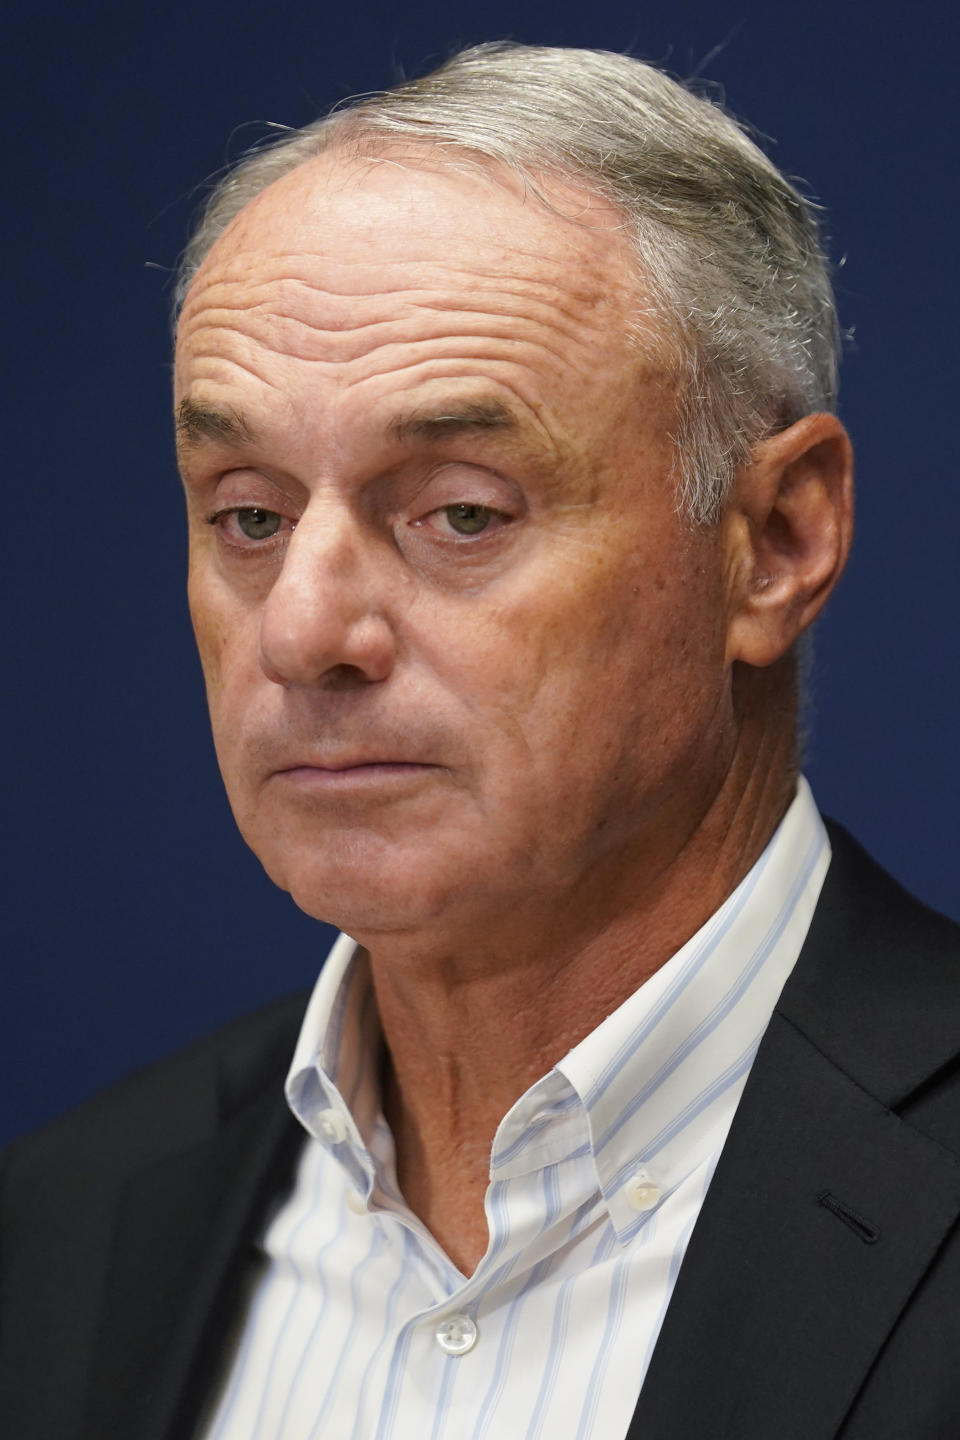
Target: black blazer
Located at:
point(819, 1297)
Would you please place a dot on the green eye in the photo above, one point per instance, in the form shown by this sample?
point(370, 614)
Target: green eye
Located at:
point(468, 519)
point(257, 524)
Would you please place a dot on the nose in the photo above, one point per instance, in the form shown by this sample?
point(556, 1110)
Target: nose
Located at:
point(323, 620)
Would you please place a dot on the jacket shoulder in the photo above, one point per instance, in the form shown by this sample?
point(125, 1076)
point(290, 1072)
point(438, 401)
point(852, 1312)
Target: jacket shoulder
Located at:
point(877, 985)
point(857, 884)
point(62, 1195)
point(168, 1104)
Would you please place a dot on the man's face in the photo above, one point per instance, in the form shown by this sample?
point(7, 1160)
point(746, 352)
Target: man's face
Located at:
point(465, 664)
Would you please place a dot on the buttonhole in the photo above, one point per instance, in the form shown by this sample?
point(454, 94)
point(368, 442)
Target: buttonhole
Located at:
point(858, 1223)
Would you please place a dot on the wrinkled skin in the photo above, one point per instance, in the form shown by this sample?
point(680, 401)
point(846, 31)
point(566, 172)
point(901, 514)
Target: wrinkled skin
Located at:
point(427, 716)
point(479, 696)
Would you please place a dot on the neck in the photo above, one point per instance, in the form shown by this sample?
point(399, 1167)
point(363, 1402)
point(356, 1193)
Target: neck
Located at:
point(470, 1027)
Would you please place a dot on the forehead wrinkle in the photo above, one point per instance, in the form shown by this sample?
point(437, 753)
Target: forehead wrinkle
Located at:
point(523, 309)
point(445, 358)
point(546, 326)
point(510, 362)
point(284, 293)
point(277, 283)
point(489, 255)
point(208, 364)
point(385, 356)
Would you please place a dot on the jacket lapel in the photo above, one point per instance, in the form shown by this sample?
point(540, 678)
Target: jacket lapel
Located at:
point(827, 1206)
point(184, 1226)
point(823, 1215)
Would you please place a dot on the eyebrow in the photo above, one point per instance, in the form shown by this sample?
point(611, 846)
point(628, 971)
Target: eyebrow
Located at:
point(196, 422)
point(441, 422)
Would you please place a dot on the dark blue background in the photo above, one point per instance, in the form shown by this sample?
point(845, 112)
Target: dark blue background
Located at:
point(137, 918)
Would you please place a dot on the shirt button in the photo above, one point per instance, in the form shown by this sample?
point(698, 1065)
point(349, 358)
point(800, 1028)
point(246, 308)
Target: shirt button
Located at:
point(456, 1335)
point(331, 1125)
point(356, 1202)
point(641, 1191)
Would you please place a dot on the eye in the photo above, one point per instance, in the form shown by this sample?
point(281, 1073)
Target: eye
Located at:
point(257, 524)
point(468, 519)
point(465, 519)
point(242, 523)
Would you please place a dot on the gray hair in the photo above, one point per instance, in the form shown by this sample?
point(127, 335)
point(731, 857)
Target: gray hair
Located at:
point(728, 250)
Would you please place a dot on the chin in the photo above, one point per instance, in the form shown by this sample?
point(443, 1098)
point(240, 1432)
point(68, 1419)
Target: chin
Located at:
point(364, 910)
point(362, 887)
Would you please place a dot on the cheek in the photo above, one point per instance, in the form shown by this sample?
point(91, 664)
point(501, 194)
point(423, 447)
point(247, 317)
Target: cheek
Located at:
point(207, 620)
point(632, 670)
point(589, 625)
point(227, 638)
point(533, 677)
point(210, 638)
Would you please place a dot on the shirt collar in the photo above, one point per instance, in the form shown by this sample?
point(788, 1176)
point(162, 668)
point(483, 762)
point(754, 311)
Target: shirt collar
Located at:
point(333, 1083)
point(653, 1089)
point(657, 1081)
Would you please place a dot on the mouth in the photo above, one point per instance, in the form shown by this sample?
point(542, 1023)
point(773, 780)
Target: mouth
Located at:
point(354, 773)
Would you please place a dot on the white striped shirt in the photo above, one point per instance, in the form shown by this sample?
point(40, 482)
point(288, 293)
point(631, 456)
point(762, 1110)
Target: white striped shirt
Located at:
point(359, 1327)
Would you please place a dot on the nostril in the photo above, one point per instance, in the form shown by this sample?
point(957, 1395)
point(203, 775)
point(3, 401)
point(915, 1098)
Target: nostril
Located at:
point(310, 646)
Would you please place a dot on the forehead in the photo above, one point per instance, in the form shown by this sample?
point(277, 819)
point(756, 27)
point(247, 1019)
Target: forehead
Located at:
point(401, 207)
point(341, 230)
point(356, 286)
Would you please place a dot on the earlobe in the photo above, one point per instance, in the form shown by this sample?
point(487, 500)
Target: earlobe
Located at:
point(789, 525)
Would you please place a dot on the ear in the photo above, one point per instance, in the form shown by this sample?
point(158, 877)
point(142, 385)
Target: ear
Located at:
point(788, 526)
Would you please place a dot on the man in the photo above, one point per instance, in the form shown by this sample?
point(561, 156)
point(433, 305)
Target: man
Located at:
point(504, 409)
